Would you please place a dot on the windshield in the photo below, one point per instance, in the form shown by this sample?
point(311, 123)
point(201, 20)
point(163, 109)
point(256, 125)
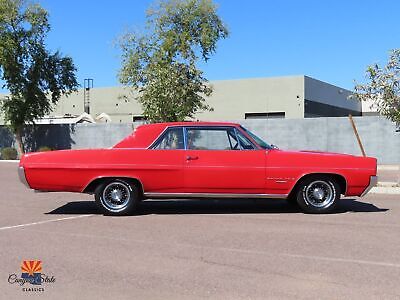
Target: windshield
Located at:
point(258, 140)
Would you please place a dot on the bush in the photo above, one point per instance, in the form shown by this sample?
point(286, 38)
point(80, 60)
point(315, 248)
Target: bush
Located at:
point(9, 153)
point(44, 149)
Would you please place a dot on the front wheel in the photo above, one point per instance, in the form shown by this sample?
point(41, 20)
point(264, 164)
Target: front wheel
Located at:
point(318, 194)
point(116, 197)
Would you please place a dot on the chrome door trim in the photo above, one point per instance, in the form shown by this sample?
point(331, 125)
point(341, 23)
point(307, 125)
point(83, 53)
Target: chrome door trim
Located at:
point(213, 195)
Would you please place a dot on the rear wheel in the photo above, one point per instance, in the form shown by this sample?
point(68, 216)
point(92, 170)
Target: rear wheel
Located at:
point(116, 197)
point(318, 194)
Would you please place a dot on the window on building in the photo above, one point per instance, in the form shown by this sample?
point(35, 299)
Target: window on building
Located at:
point(265, 115)
point(138, 118)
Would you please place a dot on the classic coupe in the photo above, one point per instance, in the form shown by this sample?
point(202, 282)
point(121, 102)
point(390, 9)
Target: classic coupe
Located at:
point(199, 160)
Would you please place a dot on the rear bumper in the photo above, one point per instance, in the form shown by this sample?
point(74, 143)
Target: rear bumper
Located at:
point(22, 177)
point(372, 182)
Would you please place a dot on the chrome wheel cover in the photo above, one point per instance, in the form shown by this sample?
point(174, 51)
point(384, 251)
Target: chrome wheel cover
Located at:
point(116, 196)
point(319, 194)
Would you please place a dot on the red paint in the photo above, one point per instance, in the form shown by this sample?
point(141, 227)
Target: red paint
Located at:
point(207, 171)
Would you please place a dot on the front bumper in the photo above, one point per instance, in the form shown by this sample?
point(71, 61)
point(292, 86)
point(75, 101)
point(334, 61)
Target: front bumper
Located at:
point(22, 177)
point(372, 182)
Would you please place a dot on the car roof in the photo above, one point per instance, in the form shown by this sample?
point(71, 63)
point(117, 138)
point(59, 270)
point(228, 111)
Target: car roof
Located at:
point(146, 134)
point(192, 123)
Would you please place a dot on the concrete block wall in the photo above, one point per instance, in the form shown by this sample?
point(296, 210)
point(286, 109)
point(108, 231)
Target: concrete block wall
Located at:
point(100, 135)
point(378, 135)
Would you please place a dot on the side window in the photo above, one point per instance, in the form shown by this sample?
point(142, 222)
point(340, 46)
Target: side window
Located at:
point(171, 139)
point(244, 142)
point(211, 139)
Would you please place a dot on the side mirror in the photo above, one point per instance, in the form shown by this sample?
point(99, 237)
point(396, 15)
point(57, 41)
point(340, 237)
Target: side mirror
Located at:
point(274, 146)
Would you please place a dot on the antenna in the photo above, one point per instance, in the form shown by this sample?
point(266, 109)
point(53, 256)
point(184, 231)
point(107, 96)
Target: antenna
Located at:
point(88, 84)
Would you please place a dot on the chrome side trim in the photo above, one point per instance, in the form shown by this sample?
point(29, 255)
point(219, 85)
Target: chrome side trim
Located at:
point(372, 182)
point(213, 195)
point(22, 177)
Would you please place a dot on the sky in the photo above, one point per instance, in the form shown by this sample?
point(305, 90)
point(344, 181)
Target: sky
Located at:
point(332, 40)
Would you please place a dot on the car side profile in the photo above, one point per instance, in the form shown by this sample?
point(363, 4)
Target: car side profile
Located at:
point(199, 160)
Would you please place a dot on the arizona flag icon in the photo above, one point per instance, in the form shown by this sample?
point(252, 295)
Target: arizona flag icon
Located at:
point(31, 270)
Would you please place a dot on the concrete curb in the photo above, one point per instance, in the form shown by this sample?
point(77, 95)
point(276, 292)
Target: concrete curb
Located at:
point(389, 167)
point(8, 161)
point(385, 190)
point(388, 184)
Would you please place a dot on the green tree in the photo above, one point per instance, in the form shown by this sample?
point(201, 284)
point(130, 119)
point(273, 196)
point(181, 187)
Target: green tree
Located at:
point(383, 87)
point(35, 77)
point(161, 63)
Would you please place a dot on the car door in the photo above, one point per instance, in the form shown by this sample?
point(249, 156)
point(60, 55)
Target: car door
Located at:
point(216, 162)
point(164, 172)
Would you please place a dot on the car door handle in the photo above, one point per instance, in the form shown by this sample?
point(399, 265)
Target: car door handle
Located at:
point(192, 157)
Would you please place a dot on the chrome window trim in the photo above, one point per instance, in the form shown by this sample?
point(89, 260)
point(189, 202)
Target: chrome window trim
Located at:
point(214, 195)
point(255, 146)
point(237, 139)
point(250, 138)
point(185, 137)
point(157, 138)
point(161, 135)
point(222, 127)
point(229, 140)
point(204, 127)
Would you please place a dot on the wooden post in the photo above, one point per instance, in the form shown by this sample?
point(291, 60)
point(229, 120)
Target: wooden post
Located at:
point(357, 136)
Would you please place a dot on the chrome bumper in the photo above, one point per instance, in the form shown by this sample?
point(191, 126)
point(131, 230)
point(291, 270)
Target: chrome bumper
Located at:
point(22, 177)
point(372, 182)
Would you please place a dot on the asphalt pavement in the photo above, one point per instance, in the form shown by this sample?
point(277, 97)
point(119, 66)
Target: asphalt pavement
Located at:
point(228, 249)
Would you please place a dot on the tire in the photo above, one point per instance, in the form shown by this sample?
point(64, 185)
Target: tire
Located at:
point(116, 197)
point(292, 200)
point(318, 194)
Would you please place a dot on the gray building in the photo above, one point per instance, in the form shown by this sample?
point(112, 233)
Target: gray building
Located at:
point(256, 98)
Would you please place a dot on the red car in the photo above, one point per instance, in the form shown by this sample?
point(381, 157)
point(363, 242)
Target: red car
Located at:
point(199, 160)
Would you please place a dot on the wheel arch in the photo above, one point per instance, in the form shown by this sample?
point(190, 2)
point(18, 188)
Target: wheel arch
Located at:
point(340, 179)
point(94, 183)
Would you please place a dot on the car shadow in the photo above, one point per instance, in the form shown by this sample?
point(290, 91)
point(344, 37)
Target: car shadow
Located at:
point(207, 206)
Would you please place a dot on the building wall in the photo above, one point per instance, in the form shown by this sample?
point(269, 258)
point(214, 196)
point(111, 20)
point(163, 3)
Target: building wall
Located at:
point(118, 102)
point(231, 99)
point(368, 109)
point(323, 99)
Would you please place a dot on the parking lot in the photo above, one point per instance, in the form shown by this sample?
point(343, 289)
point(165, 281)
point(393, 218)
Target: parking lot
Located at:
point(228, 249)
